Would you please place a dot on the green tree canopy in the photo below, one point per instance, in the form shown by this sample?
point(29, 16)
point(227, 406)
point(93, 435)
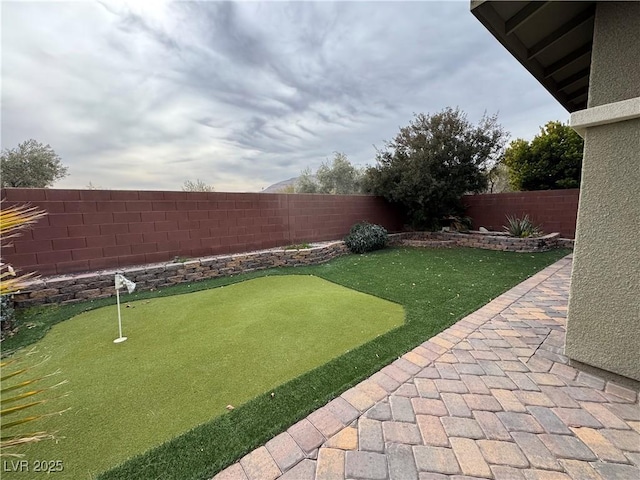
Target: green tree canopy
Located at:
point(498, 179)
point(31, 165)
point(339, 177)
point(306, 182)
point(552, 160)
point(433, 161)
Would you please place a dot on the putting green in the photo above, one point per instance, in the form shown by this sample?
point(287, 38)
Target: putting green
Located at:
point(186, 358)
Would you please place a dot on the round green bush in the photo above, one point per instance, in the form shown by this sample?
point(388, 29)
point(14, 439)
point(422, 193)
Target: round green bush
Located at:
point(366, 237)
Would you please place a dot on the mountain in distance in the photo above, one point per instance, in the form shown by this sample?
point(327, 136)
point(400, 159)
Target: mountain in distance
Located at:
point(277, 187)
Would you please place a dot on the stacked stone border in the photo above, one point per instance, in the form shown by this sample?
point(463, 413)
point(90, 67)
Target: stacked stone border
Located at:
point(86, 286)
point(72, 288)
point(553, 210)
point(487, 241)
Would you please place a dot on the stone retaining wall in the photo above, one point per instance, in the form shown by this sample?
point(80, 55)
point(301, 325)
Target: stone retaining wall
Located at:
point(566, 243)
point(553, 210)
point(80, 287)
point(479, 240)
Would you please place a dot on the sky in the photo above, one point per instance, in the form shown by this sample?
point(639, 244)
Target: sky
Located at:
point(148, 94)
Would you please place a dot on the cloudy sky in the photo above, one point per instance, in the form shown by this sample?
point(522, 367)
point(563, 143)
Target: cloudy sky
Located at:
point(147, 94)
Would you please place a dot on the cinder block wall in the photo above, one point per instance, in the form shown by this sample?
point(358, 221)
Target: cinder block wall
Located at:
point(554, 210)
point(87, 230)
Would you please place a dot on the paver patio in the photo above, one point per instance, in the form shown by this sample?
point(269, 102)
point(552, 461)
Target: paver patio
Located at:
point(493, 396)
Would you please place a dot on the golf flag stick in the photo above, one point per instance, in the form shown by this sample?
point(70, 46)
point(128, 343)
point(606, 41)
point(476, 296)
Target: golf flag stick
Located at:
point(120, 281)
point(120, 339)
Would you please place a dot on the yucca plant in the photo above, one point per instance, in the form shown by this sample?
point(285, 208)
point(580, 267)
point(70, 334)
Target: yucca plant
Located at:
point(521, 227)
point(17, 393)
point(12, 220)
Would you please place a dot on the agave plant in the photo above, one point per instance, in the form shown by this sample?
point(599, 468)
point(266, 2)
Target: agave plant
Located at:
point(521, 227)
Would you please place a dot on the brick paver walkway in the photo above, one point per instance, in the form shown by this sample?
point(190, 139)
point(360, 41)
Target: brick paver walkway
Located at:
point(491, 397)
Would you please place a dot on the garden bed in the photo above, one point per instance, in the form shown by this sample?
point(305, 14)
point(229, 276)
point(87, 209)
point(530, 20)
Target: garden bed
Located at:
point(87, 286)
point(64, 289)
point(484, 240)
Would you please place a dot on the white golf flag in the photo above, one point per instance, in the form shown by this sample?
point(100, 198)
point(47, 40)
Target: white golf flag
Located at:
point(121, 282)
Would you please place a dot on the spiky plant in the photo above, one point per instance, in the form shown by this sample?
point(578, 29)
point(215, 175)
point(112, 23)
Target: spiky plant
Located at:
point(12, 220)
point(19, 392)
point(521, 227)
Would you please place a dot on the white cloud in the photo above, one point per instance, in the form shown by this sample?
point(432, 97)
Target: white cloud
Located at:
point(242, 95)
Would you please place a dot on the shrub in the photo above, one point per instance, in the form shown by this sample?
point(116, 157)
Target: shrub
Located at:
point(366, 237)
point(7, 315)
point(522, 227)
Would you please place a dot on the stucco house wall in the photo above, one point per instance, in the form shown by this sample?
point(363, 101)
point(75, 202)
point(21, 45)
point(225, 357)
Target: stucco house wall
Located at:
point(603, 326)
point(586, 54)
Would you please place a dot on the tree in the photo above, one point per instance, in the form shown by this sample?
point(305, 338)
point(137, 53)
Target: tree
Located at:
point(433, 161)
point(288, 189)
point(339, 177)
point(498, 179)
point(196, 186)
point(31, 165)
point(306, 182)
point(552, 160)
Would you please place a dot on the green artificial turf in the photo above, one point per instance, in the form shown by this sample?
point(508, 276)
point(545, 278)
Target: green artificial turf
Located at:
point(189, 356)
point(436, 287)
